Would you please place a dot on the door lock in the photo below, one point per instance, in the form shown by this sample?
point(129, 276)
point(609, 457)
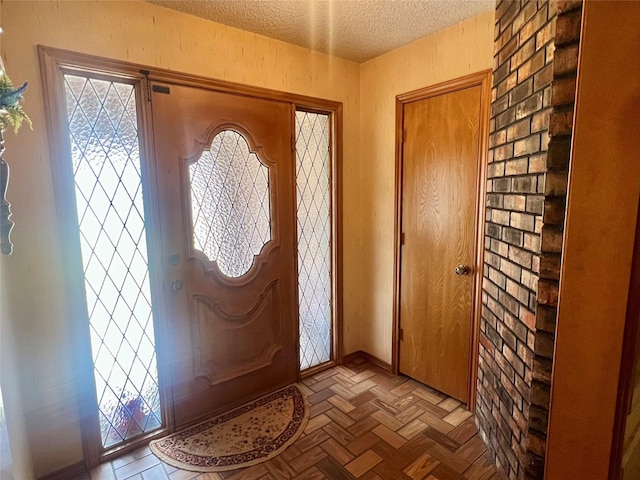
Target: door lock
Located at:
point(176, 285)
point(462, 270)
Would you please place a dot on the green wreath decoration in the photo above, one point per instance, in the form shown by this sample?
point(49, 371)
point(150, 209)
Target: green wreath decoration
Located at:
point(11, 112)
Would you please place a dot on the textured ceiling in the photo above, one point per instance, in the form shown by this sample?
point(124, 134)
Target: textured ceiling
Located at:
point(357, 30)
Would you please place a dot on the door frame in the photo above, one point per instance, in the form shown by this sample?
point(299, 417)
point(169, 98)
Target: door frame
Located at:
point(629, 362)
point(54, 62)
point(482, 79)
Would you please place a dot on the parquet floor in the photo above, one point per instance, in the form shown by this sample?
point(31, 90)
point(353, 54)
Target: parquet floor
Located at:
point(365, 424)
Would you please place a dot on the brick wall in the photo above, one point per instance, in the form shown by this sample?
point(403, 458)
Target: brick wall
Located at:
point(534, 78)
point(565, 62)
point(520, 114)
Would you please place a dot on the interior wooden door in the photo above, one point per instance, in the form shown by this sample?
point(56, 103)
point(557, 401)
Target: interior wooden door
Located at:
point(439, 191)
point(227, 211)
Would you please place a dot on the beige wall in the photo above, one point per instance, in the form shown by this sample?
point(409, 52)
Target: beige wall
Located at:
point(34, 301)
point(146, 34)
point(457, 51)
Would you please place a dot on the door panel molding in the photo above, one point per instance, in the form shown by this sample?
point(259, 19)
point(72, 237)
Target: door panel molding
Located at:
point(220, 365)
point(482, 79)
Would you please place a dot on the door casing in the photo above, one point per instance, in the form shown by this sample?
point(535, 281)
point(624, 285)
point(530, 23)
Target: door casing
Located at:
point(53, 63)
point(482, 79)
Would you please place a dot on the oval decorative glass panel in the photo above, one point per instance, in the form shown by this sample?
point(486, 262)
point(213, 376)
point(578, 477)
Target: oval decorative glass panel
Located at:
point(230, 203)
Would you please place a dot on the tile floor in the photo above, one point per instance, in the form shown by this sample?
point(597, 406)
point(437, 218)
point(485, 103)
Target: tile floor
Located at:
point(364, 423)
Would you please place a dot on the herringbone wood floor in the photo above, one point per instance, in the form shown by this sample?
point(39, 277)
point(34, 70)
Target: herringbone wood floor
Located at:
point(364, 423)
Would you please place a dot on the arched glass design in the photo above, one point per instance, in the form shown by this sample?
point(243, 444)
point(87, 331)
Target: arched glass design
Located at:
point(230, 205)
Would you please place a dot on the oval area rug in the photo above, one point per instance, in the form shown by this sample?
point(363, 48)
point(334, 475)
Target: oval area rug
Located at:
point(247, 435)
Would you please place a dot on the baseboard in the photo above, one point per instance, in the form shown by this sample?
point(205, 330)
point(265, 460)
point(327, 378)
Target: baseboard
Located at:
point(369, 358)
point(67, 473)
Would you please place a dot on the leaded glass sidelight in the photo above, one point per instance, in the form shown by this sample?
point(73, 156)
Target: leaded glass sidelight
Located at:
point(103, 133)
point(314, 237)
point(230, 204)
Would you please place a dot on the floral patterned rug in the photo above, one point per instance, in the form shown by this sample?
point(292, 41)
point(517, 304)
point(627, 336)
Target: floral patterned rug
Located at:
point(250, 434)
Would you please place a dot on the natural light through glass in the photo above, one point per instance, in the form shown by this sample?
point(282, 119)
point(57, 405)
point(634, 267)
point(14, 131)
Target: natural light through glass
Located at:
point(231, 210)
point(105, 153)
point(314, 237)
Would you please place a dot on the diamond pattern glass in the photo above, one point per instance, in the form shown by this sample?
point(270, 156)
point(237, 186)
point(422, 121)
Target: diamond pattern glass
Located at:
point(314, 237)
point(230, 204)
point(105, 155)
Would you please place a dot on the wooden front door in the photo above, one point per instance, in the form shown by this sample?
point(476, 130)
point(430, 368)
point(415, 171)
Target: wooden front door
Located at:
point(440, 161)
point(226, 196)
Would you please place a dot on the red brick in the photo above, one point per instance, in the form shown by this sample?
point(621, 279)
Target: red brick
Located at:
point(521, 257)
point(532, 242)
point(515, 202)
point(556, 184)
point(484, 341)
point(516, 167)
point(537, 444)
point(540, 120)
point(550, 266)
point(529, 106)
point(529, 280)
point(500, 216)
point(502, 39)
point(545, 35)
point(535, 204)
point(528, 318)
point(543, 78)
point(528, 10)
point(544, 348)
point(526, 146)
point(531, 66)
point(554, 208)
point(518, 130)
point(509, 14)
point(497, 138)
point(568, 5)
point(558, 155)
point(506, 52)
point(561, 123)
point(522, 221)
point(499, 106)
point(523, 54)
point(524, 184)
point(535, 266)
point(546, 97)
point(546, 318)
point(507, 84)
point(494, 200)
point(503, 152)
point(538, 163)
point(550, 52)
point(495, 169)
point(533, 25)
point(563, 91)
point(565, 60)
point(568, 27)
point(551, 240)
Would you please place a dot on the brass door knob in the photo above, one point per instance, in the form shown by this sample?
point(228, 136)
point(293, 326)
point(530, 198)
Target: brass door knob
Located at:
point(462, 270)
